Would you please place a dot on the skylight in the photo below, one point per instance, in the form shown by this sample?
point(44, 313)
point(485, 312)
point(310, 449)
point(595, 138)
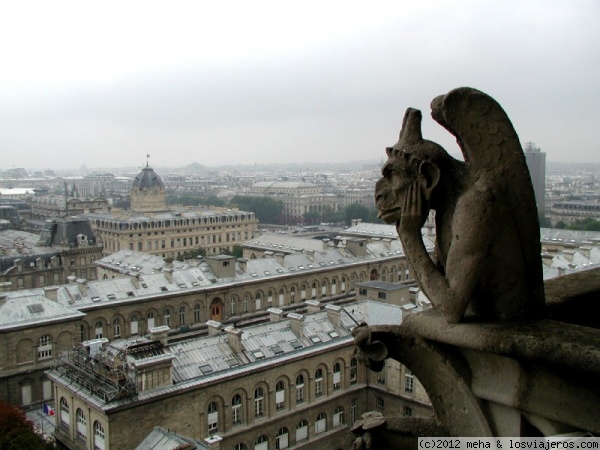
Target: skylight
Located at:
point(206, 368)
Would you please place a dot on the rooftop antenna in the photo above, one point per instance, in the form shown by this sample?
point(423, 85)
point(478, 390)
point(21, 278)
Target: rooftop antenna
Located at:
point(147, 159)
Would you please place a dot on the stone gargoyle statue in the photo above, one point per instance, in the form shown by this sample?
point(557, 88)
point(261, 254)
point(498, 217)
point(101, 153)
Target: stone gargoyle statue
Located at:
point(487, 260)
point(486, 266)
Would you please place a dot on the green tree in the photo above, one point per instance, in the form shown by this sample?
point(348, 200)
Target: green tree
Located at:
point(267, 210)
point(587, 224)
point(213, 200)
point(358, 211)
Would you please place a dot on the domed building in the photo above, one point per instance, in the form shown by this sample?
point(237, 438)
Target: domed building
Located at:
point(148, 191)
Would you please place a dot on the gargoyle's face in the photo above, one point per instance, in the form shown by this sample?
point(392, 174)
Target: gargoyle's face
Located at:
point(399, 172)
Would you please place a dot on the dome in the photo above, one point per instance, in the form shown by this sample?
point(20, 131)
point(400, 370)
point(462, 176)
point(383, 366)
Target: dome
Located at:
point(147, 179)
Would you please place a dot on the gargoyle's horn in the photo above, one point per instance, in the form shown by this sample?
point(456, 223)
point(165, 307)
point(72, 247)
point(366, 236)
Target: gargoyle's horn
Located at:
point(411, 127)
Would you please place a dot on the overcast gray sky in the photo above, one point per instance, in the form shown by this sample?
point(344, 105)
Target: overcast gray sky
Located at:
point(105, 83)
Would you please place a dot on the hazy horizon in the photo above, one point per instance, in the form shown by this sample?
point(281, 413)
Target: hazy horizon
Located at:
point(106, 83)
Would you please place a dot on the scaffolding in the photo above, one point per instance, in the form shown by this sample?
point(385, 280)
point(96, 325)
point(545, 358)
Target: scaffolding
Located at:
point(105, 374)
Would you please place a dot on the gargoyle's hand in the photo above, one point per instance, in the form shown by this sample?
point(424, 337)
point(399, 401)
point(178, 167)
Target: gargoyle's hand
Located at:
point(415, 208)
point(370, 353)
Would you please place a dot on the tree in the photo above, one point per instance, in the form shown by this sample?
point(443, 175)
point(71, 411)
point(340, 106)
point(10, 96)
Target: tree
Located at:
point(267, 210)
point(16, 431)
point(358, 211)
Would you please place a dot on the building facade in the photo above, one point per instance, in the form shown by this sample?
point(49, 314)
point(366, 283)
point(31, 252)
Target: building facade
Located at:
point(218, 288)
point(536, 162)
point(151, 227)
point(293, 382)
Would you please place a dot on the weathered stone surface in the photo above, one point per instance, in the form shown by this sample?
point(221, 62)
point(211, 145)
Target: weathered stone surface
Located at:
point(487, 262)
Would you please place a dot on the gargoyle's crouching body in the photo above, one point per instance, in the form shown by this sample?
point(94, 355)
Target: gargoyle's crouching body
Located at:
point(487, 261)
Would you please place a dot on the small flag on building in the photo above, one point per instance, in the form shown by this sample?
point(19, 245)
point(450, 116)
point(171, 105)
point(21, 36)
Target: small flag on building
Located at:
point(48, 409)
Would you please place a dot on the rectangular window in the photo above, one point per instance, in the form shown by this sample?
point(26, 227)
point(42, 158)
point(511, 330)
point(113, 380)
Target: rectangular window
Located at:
point(381, 295)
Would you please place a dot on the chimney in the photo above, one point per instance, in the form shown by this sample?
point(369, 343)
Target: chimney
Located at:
point(83, 287)
point(168, 264)
point(51, 293)
point(280, 258)
point(275, 314)
point(71, 279)
point(326, 243)
point(243, 264)
point(159, 334)
point(561, 271)
point(297, 324)
point(214, 327)
point(3, 298)
point(135, 279)
point(168, 274)
point(586, 250)
point(312, 306)
point(234, 339)
point(213, 442)
point(333, 314)
point(413, 295)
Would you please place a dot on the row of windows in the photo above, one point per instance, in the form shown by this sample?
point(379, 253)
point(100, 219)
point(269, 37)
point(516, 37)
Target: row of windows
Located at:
point(103, 224)
point(283, 395)
point(301, 432)
point(81, 422)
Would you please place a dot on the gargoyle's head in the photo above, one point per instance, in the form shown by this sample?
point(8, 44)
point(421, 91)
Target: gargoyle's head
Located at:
point(411, 160)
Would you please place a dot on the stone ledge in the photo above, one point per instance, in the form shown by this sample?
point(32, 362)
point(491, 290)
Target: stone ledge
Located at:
point(545, 341)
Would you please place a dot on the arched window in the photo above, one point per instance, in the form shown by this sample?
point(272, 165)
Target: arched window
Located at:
point(240, 446)
point(98, 436)
point(236, 410)
point(320, 423)
point(45, 347)
point(281, 438)
point(280, 396)
point(353, 412)
point(167, 317)
point(293, 294)
point(259, 402)
point(81, 425)
point(245, 303)
point(150, 320)
point(65, 418)
point(407, 411)
point(323, 288)
point(319, 383)
point(299, 389)
point(302, 430)
point(116, 328)
point(353, 371)
point(133, 324)
point(99, 330)
point(303, 292)
point(314, 290)
point(343, 284)
point(261, 443)
point(333, 286)
point(257, 302)
point(182, 315)
point(337, 376)
point(281, 297)
point(213, 417)
point(270, 298)
point(338, 416)
point(196, 313)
